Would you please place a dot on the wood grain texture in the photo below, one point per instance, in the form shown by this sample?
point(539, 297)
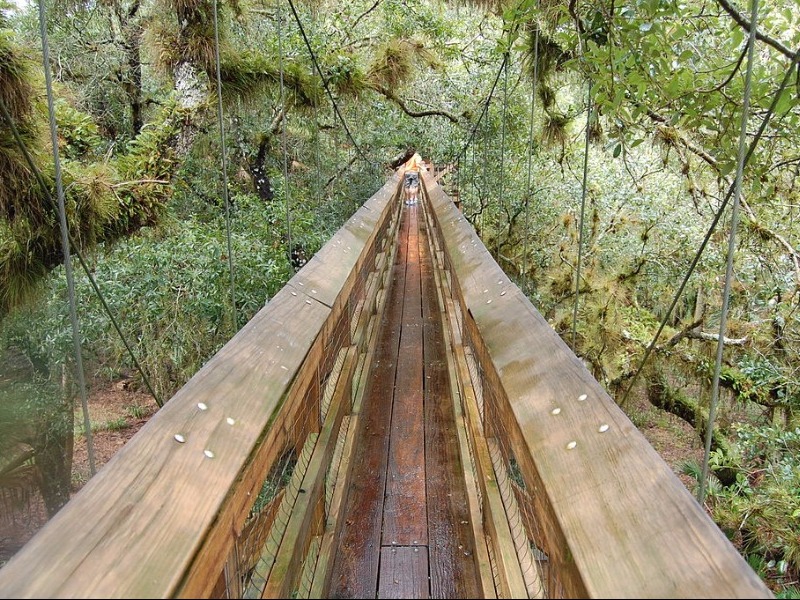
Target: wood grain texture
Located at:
point(355, 570)
point(618, 522)
point(404, 572)
point(157, 520)
point(404, 519)
point(451, 546)
point(285, 575)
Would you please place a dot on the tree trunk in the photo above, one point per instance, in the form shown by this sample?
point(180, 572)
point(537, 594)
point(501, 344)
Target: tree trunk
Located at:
point(54, 447)
point(665, 397)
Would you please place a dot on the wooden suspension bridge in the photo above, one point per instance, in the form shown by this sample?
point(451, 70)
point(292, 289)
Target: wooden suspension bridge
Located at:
point(398, 422)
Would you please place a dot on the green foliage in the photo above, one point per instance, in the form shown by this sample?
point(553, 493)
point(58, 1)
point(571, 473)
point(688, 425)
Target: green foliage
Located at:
point(246, 75)
point(762, 512)
point(79, 134)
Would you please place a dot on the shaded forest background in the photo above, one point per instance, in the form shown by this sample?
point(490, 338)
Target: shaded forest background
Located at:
point(655, 86)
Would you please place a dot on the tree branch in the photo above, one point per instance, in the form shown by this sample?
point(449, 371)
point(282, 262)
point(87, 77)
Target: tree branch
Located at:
point(364, 14)
point(714, 337)
point(746, 25)
point(411, 113)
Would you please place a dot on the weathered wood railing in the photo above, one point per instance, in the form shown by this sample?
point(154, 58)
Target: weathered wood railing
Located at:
point(233, 489)
point(196, 503)
point(575, 501)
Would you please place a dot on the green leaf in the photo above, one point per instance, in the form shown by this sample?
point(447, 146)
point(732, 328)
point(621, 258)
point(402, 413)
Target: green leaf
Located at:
point(617, 150)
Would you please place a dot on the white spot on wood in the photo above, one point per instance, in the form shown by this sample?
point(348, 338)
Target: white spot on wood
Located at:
point(603, 428)
point(555, 411)
point(202, 406)
point(230, 421)
point(582, 397)
point(179, 438)
point(208, 453)
point(571, 445)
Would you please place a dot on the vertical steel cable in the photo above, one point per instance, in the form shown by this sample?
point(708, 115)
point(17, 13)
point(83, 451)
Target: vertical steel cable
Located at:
point(317, 136)
point(503, 133)
point(530, 157)
point(283, 140)
point(234, 318)
point(583, 213)
point(731, 249)
point(583, 192)
point(62, 214)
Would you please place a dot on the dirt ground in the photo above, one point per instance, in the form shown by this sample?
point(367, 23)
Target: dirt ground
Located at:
point(118, 413)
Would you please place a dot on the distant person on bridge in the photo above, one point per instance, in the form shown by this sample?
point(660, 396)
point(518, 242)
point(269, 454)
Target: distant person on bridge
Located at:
point(411, 178)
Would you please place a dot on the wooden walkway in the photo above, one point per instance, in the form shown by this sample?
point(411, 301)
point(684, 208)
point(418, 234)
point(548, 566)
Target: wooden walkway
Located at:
point(407, 530)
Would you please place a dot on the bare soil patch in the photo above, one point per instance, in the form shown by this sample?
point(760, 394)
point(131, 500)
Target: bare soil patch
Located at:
point(116, 414)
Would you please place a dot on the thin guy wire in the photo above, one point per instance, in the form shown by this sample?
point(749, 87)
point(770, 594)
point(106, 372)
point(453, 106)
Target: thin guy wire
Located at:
point(35, 170)
point(701, 494)
point(286, 191)
point(583, 193)
point(62, 213)
point(757, 138)
point(325, 82)
point(503, 135)
point(530, 158)
point(483, 111)
point(224, 170)
point(583, 213)
point(317, 134)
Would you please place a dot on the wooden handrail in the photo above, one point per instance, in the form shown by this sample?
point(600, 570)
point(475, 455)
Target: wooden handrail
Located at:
point(609, 513)
point(161, 518)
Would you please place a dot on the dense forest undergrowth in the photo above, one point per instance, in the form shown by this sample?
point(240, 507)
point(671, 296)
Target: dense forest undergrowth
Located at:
point(599, 138)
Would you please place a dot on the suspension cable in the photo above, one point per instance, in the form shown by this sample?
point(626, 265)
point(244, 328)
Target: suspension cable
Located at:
point(503, 134)
point(583, 191)
point(224, 170)
point(286, 189)
point(583, 213)
point(317, 136)
point(756, 139)
point(62, 214)
point(483, 111)
point(701, 494)
point(325, 83)
point(530, 157)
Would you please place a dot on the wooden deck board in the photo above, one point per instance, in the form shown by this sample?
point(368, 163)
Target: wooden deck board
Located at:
point(450, 550)
point(355, 569)
point(404, 522)
point(404, 572)
point(404, 534)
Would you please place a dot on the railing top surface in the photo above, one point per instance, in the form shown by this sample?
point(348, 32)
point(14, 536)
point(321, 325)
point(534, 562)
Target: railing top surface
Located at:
point(631, 526)
point(135, 527)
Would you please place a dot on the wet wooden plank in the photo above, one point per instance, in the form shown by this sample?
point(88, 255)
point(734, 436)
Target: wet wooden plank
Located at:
point(451, 546)
point(404, 521)
point(355, 570)
point(404, 572)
